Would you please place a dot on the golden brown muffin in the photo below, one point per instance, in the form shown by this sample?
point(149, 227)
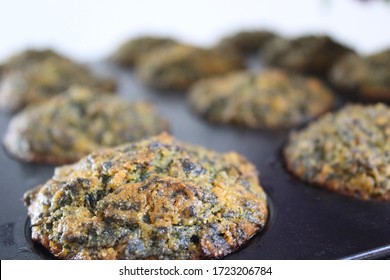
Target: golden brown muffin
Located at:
point(347, 152)
point(307, 54)
point(366, 77)
point(131, 51)
point(40, 80)
point(270, 99)
point(71, 125)
point(177, 67)
point(154, 199)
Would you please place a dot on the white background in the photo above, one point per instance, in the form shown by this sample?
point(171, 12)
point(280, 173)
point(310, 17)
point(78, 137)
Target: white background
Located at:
point(90, 29)
point(281, 270)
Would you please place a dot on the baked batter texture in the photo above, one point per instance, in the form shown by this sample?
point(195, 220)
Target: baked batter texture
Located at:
point(270, 99)
point(177, 67)
point(366, 77)
point(73, 124)
point(307, 54)
point(347, 152)
point(154, 199)
point(40, 80)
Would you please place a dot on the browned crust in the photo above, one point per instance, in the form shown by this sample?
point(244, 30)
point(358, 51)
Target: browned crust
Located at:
point(215, 255)
point(216, 235)
point(327, 186)
point(211, 254)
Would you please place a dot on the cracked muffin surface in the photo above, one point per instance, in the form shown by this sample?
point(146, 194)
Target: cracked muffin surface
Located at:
point(347, 152)
point(367, 77)
point(177, 67)
point(154, 199)
point(40, 80)
point(73, 124)
point(269, 99)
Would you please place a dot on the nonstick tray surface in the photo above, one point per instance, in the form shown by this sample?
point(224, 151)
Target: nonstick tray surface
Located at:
point(305, 222)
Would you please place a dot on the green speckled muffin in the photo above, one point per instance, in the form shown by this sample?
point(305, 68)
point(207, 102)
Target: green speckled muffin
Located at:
point(73, 124)
point(347, 152)
point(154, 199)
point(38, 81)
point(177, 67)
point(366, 77)
point(270, 99)
point(307, 54)
point(246, 42)
point(131, 51)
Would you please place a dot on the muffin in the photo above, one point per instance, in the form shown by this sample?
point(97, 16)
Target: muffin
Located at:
point(73, 124)
point(270, 99)
point(43, 79)
point(307, 54)
point(347, 152)
point(132, 50)
point(365, 77)
point(24, 58)
point(177, 67)
point(246, 42)
point(154, 199)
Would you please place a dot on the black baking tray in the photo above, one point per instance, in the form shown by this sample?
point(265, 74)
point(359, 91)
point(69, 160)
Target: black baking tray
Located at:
point(305, 222)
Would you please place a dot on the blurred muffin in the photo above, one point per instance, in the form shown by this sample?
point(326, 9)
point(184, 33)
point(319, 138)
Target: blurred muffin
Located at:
point(270, 99)
point(73, 124)
point(24, 58)
point(154, 199)
point(246, 42)
point(132, 50)
point(38, 81)
point(177, 67)
point(347, 152)
point(307, 54)
point(366, 77)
